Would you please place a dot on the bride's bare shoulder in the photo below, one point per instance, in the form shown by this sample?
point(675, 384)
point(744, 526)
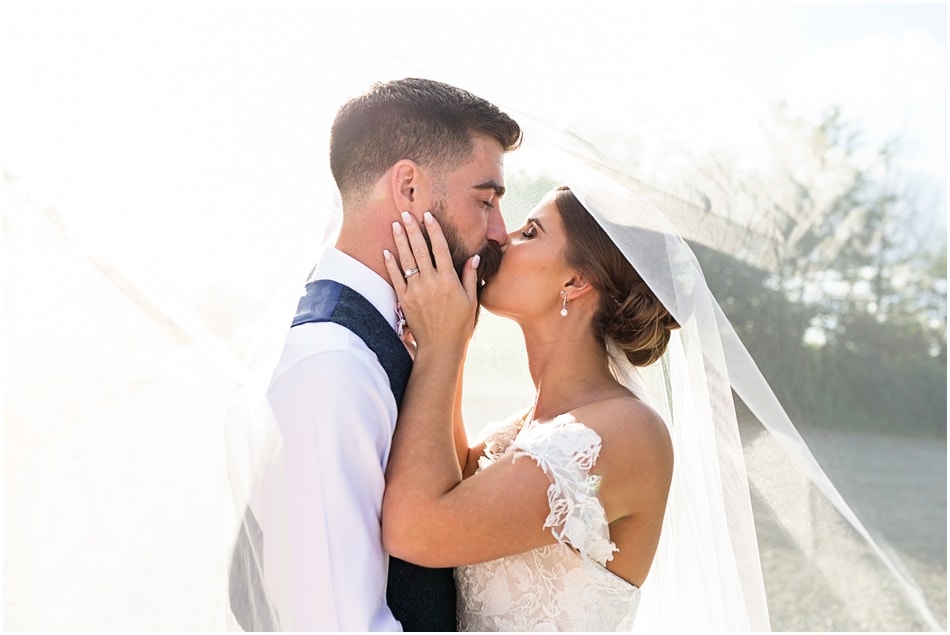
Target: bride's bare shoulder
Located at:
point(635, 440)
point(626, 418)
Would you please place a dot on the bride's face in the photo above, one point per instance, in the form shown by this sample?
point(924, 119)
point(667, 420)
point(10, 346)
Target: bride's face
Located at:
point(533, 269)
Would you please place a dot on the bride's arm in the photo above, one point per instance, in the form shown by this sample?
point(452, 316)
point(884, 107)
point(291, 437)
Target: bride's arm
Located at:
point(458, 421)
point(428, 515)
point(467, 455)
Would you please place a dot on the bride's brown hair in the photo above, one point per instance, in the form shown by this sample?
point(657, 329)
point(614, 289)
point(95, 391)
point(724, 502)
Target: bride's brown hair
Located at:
point(629, 313)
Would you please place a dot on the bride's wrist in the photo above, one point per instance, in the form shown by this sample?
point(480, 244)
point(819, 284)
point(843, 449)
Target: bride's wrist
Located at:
point(441, 348)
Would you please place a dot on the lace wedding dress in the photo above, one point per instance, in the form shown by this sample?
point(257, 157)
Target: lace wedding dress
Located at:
point(561, 587)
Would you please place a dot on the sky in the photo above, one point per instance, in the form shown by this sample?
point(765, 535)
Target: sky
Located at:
point(110, 87)
point(885, 65)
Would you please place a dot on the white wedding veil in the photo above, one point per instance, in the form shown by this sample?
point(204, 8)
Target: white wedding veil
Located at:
point(746, 487)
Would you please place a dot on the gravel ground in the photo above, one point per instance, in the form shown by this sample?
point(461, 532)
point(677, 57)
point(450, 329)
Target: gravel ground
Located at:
point(819, 573)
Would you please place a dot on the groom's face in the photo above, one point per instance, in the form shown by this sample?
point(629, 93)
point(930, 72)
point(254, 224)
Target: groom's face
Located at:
point(469, 211)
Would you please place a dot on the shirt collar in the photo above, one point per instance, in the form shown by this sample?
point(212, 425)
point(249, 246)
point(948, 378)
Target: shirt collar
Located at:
point(343, 268)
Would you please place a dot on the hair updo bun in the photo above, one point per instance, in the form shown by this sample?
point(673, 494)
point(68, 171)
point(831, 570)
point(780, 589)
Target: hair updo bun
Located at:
point(638, 324)
point(629, 314)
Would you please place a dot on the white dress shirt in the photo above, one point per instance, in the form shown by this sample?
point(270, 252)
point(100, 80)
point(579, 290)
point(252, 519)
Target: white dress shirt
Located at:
point(335, 409)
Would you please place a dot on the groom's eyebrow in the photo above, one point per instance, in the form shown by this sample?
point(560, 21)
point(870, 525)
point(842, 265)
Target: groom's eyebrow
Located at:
point(490, 185)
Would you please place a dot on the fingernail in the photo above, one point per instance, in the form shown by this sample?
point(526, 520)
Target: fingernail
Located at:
point(475, 260)
point(386, 255)
point(428, 218)
point(406, 217)
point(397, 228)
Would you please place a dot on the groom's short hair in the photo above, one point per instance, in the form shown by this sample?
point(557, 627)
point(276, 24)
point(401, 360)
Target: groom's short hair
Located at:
point(425, 121)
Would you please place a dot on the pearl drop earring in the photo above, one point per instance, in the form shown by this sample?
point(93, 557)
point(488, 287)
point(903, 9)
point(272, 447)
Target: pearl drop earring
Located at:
point(564, 305)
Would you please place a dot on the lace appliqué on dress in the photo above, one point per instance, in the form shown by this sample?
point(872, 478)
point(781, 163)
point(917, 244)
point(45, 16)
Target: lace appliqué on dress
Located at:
point(499, 437)
point(559, 587)
point(566, 451)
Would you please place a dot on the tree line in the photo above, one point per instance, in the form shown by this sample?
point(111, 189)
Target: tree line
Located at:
point(849, 325)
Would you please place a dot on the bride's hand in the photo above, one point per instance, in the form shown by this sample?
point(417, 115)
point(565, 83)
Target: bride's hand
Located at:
point(438, 306)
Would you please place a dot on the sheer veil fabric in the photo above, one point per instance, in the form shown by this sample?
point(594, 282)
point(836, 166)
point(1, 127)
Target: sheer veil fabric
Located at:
point(149, 502)
point(733, 442)
point(740, 464)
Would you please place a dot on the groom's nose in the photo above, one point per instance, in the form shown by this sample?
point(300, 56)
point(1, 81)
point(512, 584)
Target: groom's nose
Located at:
point(496, 227)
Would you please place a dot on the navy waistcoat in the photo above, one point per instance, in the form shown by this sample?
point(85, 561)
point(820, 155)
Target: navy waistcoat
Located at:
point(422, 599)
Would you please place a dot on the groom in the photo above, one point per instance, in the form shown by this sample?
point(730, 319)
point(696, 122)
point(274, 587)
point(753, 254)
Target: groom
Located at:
point(409, 145)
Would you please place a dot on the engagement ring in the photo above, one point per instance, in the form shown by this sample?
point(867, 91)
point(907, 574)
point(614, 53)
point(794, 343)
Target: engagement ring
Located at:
point(410, 272)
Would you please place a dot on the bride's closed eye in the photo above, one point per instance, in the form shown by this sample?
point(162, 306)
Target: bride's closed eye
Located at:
point(529, 232)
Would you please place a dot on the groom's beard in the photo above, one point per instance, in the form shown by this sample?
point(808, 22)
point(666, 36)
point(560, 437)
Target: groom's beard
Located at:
point(488, 264)
point(490, 255)
point(452, 238)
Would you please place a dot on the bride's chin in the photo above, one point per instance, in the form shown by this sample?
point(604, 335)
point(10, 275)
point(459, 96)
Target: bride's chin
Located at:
point(487, 297)
point(488, 302)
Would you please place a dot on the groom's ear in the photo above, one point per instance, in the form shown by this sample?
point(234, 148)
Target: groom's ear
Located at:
point(408, 187)
point(402, 177)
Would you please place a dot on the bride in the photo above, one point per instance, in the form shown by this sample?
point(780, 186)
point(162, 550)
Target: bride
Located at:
point(557, 512)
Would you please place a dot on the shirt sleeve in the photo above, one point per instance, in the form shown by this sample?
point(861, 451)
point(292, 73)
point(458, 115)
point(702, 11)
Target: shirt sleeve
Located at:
point(336, 414)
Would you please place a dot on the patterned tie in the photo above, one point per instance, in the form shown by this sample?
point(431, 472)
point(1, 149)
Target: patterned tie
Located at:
point(404, 333)
point(400, 322)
